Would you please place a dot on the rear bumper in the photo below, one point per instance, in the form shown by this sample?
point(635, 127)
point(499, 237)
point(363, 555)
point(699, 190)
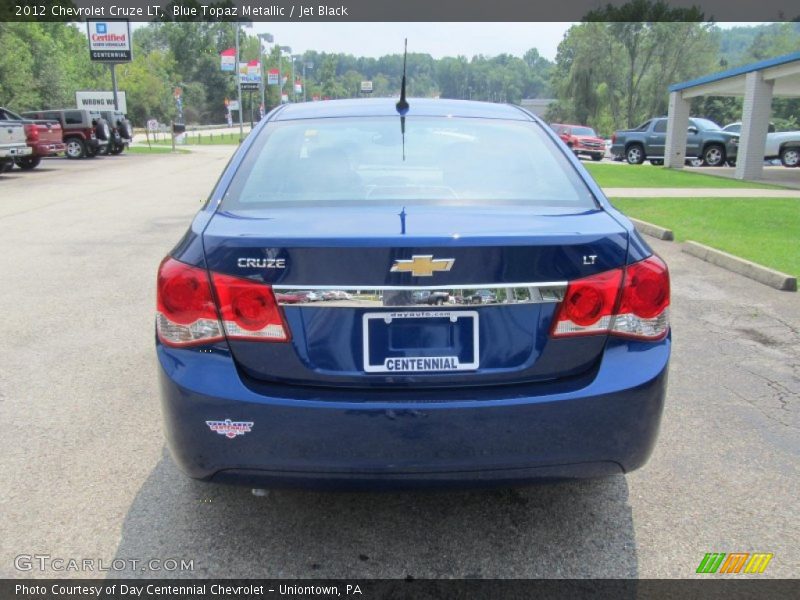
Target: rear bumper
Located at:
point(48, 148)
point(409, 438)
point(14, 150)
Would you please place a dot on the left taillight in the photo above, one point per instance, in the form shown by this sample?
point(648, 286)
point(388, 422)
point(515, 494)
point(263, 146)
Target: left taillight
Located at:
point(189, 314)
point(249, 310)
point(32, 132)
point(186, 313)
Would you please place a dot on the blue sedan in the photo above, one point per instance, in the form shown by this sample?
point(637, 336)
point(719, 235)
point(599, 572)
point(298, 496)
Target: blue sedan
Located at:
point(559, 371)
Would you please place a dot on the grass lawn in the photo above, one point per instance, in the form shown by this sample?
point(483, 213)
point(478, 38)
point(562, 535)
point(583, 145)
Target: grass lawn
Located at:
point(648, 176)
point(155, 149)
point(763, 230)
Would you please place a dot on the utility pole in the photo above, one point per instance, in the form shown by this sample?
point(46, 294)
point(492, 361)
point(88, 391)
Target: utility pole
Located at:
point(113, 68)
point(239, 87)
point(264, 37)
point(288, 50)
point(310, 65)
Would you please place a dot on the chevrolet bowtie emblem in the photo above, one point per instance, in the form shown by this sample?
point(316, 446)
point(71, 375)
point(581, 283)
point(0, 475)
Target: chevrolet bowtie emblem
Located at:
point(422, 265)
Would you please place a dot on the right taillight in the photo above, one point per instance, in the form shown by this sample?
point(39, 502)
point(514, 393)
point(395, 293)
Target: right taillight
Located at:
point(631, 302)
point(644, 305)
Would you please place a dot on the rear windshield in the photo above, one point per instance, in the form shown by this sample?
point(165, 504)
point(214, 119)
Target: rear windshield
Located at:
point(437, 160)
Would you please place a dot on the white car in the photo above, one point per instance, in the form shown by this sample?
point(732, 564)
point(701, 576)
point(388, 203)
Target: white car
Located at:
point(784, 145)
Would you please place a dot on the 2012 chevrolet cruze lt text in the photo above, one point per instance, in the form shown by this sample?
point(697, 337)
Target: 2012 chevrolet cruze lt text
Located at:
point(544, 355)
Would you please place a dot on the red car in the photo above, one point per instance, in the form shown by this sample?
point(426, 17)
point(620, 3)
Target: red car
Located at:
point(581, 139)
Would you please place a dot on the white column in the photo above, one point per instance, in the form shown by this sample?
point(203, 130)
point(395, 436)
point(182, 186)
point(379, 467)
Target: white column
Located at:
point(755, 122)
point(677, 122)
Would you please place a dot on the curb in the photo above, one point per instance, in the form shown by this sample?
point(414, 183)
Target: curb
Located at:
point(653, 230)
point(765, 275)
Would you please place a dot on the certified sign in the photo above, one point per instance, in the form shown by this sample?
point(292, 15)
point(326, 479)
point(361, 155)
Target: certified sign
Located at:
point(109, 41)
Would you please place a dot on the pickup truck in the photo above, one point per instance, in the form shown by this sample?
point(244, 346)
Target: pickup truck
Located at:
point(705, 140)
point(581, 140)
point(43, 138)
point(13, 144)
point(85, 132)
point(780, 144)
point(434, 298)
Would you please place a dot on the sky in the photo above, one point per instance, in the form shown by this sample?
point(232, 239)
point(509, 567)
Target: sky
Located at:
point(436, 39)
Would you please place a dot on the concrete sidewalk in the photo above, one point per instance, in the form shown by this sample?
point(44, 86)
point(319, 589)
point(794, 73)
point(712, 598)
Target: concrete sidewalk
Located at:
point(699, 193)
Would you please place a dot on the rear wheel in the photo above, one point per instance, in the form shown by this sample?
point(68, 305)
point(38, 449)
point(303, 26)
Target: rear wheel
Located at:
point(91, 152)
point(730, 163)
point(76, 148)
point(26, 163)
point(596, 157)
point(656, 162)
point(117, 149)
point(714, 155)
point(6, 164)
point(790, 157)
point(635, 154)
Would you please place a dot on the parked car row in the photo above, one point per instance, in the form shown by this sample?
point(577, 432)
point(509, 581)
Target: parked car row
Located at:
point(77, 133)
point(310, 296)
point(707, 144)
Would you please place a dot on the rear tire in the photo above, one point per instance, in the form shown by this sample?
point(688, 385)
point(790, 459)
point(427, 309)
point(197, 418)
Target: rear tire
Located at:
point(6, 164)
point(730, 163)
point(634, 154)
point(714, 155)
point(657, 162)
point(790, 157)
point(26, 163)
point(76, 148)
point(117, 149)
point(597, 157)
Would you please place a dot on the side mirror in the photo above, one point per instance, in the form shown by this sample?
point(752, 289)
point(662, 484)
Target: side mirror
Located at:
point(691, 129)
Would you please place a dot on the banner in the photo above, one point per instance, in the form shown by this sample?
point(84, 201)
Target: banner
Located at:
point(298, 87)
point(227, 60)
point(273, 77)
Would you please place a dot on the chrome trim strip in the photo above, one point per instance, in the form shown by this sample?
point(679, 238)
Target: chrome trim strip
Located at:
point(414, 288)
point(422, 296)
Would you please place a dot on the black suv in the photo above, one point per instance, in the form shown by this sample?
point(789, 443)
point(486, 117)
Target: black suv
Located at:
point(121, 131)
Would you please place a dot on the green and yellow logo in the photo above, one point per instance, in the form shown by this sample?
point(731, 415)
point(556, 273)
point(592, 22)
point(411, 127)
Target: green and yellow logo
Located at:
point(735, 562)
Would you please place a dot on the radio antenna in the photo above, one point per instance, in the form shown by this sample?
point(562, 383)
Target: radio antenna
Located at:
point(402, 104)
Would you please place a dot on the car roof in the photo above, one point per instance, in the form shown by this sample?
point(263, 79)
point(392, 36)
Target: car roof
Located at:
point(385, 107)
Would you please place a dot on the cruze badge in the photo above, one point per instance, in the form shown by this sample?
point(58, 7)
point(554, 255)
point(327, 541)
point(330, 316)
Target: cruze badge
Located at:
point(422, 265)
point(261, 263)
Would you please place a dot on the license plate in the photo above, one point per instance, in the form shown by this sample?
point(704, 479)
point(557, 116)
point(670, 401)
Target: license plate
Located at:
point(421, 341)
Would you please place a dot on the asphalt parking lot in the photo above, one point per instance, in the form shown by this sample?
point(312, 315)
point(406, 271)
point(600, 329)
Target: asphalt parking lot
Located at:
point(85, 473)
